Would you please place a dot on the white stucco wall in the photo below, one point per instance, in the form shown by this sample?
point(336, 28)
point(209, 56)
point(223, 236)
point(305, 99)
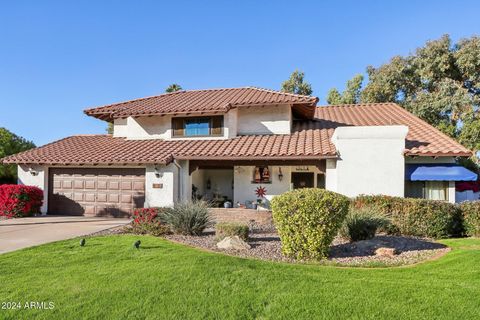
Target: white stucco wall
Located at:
point(370, 160)
point(165, 196)
point(237, 121)
point(264, 120)
point(160, 127)
point(244, 189)
point(40, 180)
point(451, 192)
point(331, 175)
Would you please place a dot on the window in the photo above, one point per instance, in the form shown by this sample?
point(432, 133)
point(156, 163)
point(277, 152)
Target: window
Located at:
point(197, 126)
point(431, 190)
point(261, 175)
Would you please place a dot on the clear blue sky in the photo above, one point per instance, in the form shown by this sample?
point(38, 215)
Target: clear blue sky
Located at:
point(60, 57)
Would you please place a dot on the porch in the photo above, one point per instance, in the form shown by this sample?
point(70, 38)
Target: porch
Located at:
point(252, 184)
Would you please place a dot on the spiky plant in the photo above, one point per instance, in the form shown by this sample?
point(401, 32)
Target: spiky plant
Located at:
point(189, 218)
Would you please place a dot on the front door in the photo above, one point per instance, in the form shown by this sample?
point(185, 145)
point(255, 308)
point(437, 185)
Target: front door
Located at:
point(302, 180)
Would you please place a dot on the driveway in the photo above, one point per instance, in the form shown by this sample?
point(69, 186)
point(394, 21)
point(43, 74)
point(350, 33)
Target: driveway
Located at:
point(27, 232)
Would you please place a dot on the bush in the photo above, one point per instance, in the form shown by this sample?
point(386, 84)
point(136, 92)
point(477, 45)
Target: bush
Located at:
point(307, 220)
point(149, 221)
point(189, 218)
point(19, 200)
point(471, 215)
point(223, 230)
point(416, 217)
point(362, 224)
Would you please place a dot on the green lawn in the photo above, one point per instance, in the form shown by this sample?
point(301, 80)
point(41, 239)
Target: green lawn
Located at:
point(108, 279)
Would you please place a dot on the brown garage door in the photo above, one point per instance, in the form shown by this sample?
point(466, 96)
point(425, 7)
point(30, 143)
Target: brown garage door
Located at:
point(96, 191)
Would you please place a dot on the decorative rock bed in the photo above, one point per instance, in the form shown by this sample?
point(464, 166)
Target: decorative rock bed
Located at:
point(265, 244)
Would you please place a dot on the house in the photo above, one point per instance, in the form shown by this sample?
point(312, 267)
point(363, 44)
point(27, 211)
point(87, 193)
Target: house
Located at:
point(240, 145)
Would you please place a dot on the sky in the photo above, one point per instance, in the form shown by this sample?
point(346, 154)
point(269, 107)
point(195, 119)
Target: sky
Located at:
point(58, 58)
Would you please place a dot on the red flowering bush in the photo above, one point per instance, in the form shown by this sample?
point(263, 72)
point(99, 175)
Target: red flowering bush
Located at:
point(19, 200)
point(149, 221)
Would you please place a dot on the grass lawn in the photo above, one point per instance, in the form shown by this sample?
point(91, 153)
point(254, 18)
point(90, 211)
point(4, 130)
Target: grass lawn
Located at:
point(108, 279)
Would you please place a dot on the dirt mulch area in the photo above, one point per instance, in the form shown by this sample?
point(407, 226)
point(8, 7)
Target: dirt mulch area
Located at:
point(266, 245)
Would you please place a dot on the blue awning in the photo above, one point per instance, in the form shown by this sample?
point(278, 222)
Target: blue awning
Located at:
point(438, 172)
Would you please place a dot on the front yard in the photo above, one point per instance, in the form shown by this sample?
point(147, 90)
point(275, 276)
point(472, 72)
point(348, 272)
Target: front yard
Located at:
point(108, 279)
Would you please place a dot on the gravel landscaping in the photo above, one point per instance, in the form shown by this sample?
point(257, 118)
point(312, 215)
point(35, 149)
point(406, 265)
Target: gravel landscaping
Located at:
point(266, 245)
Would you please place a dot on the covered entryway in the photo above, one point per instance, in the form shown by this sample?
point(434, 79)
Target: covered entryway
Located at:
point(96, 191)
point(302, 180)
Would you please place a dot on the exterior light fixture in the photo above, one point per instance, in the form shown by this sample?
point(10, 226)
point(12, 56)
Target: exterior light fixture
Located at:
point(33, 172)
point(280, 174)
point(158, 174)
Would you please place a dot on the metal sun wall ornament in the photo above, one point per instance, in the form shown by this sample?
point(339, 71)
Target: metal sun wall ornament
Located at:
point(261, 192)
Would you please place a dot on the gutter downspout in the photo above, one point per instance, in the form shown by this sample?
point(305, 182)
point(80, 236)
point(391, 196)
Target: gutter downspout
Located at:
point(179, 167)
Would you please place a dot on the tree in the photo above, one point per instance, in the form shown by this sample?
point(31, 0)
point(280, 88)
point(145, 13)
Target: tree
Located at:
point(439, 82)
point(173, 87)
point(296, 84)
point(351, 94)
point(11, 144)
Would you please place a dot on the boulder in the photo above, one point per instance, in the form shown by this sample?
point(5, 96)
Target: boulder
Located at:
point(233, 243)
point(385, 252)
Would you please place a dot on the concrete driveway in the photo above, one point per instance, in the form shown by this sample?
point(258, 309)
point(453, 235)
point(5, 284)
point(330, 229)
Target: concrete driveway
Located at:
point(27, 232)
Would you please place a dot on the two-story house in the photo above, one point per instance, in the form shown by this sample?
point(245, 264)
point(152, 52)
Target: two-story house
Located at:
point(240, 145)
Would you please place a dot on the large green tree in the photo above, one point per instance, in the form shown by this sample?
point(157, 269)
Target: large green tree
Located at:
point(10, 143)
point(439, 82)
point(351, 94)
point(297, 84)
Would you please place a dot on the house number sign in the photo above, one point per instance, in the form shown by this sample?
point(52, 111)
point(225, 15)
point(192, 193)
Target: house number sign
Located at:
point(302, 169)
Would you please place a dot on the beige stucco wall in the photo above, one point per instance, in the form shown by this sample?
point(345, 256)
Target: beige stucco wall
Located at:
point(40, 180)
point(264, 120)
point(371, 160)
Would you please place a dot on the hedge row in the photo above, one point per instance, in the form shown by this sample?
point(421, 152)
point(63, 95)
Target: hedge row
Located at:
point(19, 200)
point(424, 218)
point(471, 215)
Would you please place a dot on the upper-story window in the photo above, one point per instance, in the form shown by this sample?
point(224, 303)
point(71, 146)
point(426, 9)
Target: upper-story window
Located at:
point(197, 126)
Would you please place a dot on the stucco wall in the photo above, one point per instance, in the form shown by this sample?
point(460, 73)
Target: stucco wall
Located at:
point(264, 120)
point(244, 189)
point(220, 179)
point(165, 196)
point(40, 180)
point(160, 127)
point(370, 160)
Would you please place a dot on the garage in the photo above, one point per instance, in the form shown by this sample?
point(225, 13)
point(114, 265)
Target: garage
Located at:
point(96, 191)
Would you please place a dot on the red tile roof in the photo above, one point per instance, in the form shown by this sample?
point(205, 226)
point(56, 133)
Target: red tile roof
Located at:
point(105, 149)
point(210, 100)
point(422, 138)
point(310, 139)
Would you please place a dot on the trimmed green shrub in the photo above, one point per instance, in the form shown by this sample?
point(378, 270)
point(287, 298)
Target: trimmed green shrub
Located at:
point(227, 229)
point(149, 221)
point(362, 224)
point(307, 220)
point(189, 218)
point(471, 215)
point(416, 217)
